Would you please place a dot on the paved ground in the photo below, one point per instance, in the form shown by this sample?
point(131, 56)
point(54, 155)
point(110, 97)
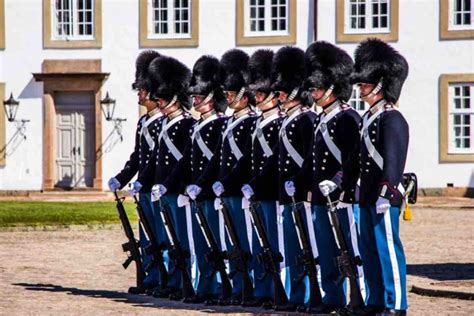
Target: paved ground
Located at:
point(79, 271)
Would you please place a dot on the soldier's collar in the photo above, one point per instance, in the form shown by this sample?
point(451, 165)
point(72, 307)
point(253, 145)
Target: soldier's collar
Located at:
point(208, 114)
point(294, 109)
point(154, 111)
point(270, 112)
point(328, 108)
point(377, 105)
point(242, 112)
point(175, 114)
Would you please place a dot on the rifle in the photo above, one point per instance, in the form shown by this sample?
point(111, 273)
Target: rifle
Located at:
point(309, 262)
point(270, 261)
point(153, 249)
point(176, 253)
point(239, 255)
point(131, 247)
point(346, 262)
point(215, 256)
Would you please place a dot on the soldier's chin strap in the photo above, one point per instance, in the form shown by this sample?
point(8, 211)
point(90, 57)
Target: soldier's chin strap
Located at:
point(171, 103)
point(267, 99)
point(293, 94)
point(325, 95)
point(238, 97)
point(375, 90)
point(205, 101)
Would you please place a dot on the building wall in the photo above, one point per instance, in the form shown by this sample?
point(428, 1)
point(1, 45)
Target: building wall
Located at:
point(418, 41)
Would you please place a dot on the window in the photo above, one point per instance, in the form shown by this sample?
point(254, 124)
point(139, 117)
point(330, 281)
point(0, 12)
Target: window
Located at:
point(356, 102)
point(73, 19)
point(2, 125)
point(169, 23)
point(457, 118)
point(457, 19)
point(267, 17)
point(266, 22)
point(72, 23)
point(170, 19)
point(461, 118)
point(360, 19)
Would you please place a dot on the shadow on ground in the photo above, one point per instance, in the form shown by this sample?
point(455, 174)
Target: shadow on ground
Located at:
point(443, 271)
point(137, 300)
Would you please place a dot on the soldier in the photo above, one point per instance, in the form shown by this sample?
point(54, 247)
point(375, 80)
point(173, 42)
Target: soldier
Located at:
point(263, 162)
point(288, 73)
point(169, 84)
point(145, 141)
point(210, 102)
point(328, 168)
point(380, 72)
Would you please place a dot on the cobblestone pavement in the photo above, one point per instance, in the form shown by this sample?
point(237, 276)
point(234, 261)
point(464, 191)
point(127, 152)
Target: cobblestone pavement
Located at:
point(78, 270)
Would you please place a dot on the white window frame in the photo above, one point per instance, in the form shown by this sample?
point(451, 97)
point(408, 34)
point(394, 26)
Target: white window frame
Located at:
point(73, 24)
point(453, 111)
point(369, 29)
point(171, 21)
point(454, 27)
point(355, 97)
point(267, 18)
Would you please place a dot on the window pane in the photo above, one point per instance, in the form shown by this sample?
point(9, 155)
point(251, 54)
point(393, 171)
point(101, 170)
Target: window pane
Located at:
point(185, 15)
point(89, 4)
point(261, 25)
point(261, 12)
point(383, 8)
point(457, 119)
point(176, 14)
point(457, 103)
point(283, 12)
point(252, 13)
point(458, 18)
point(375, 8)
point(467, 119)
point(274, 25)
point(467, 19)
point(457, 90)
point(274, 12)
point(457, 131)
point(177, 27)
point(457, 143)
point(353, 9)
point(384, 21)
point(252, 2)
point(253, 26)
point(261, 2)
point(467, 143)
point(467, 103)
point(467, 131)
point(274, 2)
point(282, 25)
point(362, 23)
point(185, 28)
point(375, 22)
point(89, 29)
point(283, 2)
point(362, 9)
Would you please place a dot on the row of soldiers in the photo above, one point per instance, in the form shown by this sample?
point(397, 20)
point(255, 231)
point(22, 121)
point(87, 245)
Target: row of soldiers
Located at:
point(282, 160)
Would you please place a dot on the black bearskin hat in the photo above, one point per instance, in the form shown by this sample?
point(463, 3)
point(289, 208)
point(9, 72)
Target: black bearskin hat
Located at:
point(260, 67)
point(288, 69)
point(206, 77)
point(141, 69)
point(328, 65)
point(235, 69)
point(169, 77)
point(375, 59)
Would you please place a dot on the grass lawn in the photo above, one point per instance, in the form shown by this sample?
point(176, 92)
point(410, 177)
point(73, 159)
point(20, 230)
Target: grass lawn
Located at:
point(13, 214)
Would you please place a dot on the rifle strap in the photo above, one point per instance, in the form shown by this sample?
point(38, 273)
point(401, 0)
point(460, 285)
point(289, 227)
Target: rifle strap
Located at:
point(248, 221)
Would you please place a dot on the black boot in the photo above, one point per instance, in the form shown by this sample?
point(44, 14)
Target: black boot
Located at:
point(256, 302)
point(369, 310)
point(389, 312)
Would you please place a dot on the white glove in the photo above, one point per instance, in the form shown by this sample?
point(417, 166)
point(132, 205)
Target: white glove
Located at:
point(342, 205)
point(382, 205)
point(157, 191)
point(218, 188)
point(290, 188)
point(193, 191)
point(326, 187)
point(247, 191)
point(182, 200)
point(134, 188)
point(114, 184)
